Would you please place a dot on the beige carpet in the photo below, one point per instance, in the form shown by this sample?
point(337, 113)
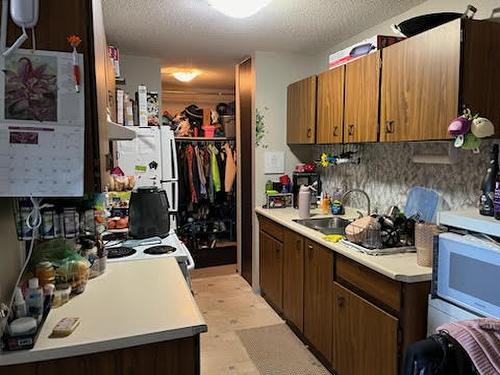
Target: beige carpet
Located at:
point(276, 350)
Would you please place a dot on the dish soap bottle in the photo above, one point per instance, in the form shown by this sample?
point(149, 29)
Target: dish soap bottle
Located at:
point(486, 205)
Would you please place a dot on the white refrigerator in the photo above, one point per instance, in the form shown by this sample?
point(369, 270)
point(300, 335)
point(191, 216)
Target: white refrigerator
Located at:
point(152, 158)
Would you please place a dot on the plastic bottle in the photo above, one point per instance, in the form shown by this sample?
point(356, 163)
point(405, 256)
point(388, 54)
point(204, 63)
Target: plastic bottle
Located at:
point(20, 304)
point(496, 199)
point(304, 202)
point(34, 299)
point(488, 185)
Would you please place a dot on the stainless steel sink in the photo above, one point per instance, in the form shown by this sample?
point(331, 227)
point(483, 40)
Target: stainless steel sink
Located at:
point(330, 225)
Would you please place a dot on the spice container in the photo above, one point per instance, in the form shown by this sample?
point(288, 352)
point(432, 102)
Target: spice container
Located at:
point(45, 273)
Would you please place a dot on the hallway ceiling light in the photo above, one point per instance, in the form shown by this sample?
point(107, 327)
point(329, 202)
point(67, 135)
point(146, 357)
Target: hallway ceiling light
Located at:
point(239, 8)
point(186, 76)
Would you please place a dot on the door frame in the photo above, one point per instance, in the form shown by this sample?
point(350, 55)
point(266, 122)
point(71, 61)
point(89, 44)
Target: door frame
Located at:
point(245, 194)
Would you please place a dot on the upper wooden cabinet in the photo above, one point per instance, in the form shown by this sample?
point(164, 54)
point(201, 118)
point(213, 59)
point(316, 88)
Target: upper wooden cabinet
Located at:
point(420, 83)
point(424, 83)
point(330, 111)
point(301, 112)
point(362, 99)
point(428, 79)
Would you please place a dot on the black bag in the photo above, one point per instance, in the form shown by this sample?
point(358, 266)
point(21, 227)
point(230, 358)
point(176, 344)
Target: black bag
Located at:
point(440, 354)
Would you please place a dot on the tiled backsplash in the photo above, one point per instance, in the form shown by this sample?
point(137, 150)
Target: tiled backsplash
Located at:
point(387, 173)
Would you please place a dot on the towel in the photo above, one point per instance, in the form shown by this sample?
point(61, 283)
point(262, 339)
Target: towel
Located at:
point(480, 338)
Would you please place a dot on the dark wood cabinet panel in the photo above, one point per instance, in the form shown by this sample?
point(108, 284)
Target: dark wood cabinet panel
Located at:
point(480, 72)
point(293, 278)
point(318, 278)
point(301, 112)
point(381, 288)
point(330, 107)
point(174, 357)
point(271, 269)
point(420, 85)
point(365, 338)
point(362, 99)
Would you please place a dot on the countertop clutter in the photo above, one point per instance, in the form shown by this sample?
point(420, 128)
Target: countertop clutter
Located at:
point(400, 267)
point(133, 303)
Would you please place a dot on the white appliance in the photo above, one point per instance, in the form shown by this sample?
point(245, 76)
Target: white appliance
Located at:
point(467, 273)
point(466, 269)
point(126, 250)
point(152, 158)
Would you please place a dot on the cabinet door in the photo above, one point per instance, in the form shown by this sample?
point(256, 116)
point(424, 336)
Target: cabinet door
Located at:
point(301, 112)
point(271, 269)
point(420, 83)
point(318, 279)
point(365, 338)
point(293, 278)
point(362, 99)
point(330, 111)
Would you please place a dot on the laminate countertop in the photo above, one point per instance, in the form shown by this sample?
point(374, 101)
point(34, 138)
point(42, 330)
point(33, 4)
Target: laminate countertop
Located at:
point(401, 267)
point(132, 303)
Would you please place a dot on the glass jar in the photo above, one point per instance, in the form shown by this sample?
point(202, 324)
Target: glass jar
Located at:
point(45, 273)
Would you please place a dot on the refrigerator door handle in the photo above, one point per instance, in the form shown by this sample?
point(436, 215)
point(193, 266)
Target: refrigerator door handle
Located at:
point(173, 155)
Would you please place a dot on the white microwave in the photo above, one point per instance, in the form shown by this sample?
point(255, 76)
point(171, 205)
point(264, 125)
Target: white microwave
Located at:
point(467, 273)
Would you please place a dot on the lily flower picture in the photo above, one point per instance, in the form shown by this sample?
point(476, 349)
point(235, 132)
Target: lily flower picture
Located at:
point(31, 88)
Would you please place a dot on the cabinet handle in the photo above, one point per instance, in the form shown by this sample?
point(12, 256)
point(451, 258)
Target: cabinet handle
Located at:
point(389, 127)
point(340, 301)
point(351, 130)
point(336, 131)
point(309, 133)
point(310, 250)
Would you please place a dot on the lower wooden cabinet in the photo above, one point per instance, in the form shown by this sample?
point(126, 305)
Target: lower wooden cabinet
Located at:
point(271, 269)
point(293, 278)
point(318, 279)
point(357, 321)
point(365, 338)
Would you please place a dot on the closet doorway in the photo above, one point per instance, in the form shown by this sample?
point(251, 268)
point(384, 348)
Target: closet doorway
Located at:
point(204, 124)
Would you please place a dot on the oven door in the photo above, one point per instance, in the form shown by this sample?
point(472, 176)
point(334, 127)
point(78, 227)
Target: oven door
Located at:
point(469, 273)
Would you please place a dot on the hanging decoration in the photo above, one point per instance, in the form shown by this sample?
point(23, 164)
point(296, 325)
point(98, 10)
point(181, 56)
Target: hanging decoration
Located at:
point(74, 41)
point(468, 130)
point(329, 160)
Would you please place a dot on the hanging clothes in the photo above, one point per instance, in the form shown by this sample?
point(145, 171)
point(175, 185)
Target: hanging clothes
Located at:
point(190, 160)
point(201, 172)
point(214, 165)
point(230, 174)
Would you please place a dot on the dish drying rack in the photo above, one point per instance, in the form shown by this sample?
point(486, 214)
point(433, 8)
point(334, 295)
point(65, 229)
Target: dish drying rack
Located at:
point(375, 240)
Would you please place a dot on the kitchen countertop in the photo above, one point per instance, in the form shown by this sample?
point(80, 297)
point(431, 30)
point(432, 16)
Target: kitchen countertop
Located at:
point(132, 303)
point(400, 267)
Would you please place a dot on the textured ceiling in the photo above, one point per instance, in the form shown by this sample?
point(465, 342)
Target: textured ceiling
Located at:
point(188, 33)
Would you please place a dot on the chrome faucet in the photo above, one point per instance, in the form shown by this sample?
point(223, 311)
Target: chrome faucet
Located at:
point(349, 192)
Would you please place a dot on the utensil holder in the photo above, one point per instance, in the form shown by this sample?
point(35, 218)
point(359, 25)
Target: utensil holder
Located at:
point(424, 242)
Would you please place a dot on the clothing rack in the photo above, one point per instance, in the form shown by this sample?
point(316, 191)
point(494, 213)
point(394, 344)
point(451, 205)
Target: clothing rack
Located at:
point(204, 139)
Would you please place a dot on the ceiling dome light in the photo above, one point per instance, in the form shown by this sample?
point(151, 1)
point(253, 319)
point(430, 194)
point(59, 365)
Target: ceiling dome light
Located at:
point(239, 8)
point(184, 76)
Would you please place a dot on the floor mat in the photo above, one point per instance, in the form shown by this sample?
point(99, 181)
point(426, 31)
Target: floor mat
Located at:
point(276, 350)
